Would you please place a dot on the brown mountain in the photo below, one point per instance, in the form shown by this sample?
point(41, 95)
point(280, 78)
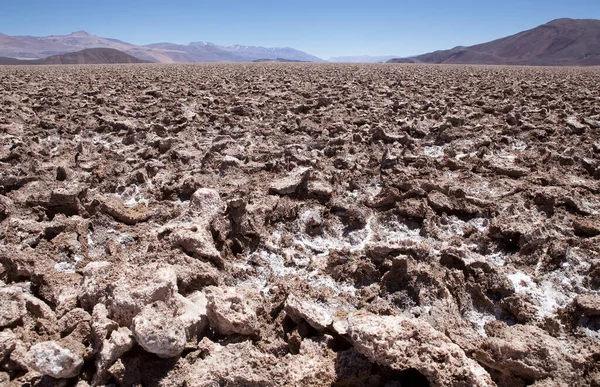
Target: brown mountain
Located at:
point(87, 56)
point(561, 42)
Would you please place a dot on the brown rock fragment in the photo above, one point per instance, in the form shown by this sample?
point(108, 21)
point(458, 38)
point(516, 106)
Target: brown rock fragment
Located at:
point(589, 304)
point(391, 341)
point(526, 352)
point(13, 306)
point(233, 310)
point(588, 226)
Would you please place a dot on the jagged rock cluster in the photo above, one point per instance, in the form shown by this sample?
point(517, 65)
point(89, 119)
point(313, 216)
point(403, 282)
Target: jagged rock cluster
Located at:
point(299, 225)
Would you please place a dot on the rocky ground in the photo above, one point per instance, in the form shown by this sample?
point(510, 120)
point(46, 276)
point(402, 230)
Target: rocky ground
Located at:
point(299, 225)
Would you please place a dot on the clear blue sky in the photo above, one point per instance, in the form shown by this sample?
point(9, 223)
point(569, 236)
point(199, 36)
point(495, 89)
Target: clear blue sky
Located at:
point(323, 28)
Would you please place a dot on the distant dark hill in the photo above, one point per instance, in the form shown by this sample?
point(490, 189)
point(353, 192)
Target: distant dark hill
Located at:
point(87, 56)
point(561, 42)
point(404, 60)
point(279, 60)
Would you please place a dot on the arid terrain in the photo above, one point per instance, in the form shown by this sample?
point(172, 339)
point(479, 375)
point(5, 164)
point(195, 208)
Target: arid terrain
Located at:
point(275, 224)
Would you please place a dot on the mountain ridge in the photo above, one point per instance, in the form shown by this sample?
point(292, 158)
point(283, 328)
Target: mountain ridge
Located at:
point(31, 47)
point(560, 42)
point(86, 56)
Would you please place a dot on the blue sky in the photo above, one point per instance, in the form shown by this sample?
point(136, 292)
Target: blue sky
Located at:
point(323, 28)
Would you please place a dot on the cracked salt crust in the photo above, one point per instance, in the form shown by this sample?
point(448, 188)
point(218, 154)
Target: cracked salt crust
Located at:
point(338, 239)
point(518, 145)
point(393, 231)
point(478, 320)
point(67, 265)
point(276, 267)
point(373, 190)
point(547, 295)
point(434, 151)
point(132, 196)
point(497, 258)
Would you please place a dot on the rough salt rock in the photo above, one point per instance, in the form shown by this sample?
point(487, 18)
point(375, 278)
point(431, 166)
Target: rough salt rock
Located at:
point(192, 313)
point(527, 352)
point(319, 189)
point(126, 290)
point(5, 206)
point(206, 202)
point(379, 133)
point(102, 326)
point(589, 304)
point(589, 226)
point(195, 274)
point(439, 202)
point(13, 306)
point(508, 169)
point(232, 310)
point(573, 123)
point(315, 315)
point(130, 216)
point(119, 342)
point(18, 355)
point(69, 321)
point(289, 184)
point(230, 161)
point(591, 122)
point(198, 241)
point(158, 330)
point(401, 343)
point(315, 365)
point(7, 344)
point(239, 364)
point(50, 358)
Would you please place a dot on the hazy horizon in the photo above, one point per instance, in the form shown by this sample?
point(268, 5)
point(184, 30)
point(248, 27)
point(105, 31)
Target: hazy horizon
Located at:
point(324, 29)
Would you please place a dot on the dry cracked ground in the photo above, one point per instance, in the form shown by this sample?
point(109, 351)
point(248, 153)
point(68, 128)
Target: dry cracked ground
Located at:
point(299, 225)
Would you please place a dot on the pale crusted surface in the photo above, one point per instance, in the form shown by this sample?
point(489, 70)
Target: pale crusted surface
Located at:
point(49, 358)
point(300, 224)
point(158, 330)
point(232, 310)
point(402, 343)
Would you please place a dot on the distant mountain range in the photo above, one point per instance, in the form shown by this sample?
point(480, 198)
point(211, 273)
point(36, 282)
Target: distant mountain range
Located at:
point(30, 47)
point(87, 56)
point(561, 42)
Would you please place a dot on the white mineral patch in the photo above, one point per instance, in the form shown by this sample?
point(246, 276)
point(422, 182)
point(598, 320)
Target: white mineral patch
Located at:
point(372, 191)
point(479, 319)
point(521, 282)
point(67, 265)
point(548, 295)
point(518, 145)
point(497, 258)
point(132, 196)
point(434, 151)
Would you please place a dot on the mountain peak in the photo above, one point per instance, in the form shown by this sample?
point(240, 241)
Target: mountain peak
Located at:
point(80, 34)
point(202, 43)
point(559, 20)
point(573, 22)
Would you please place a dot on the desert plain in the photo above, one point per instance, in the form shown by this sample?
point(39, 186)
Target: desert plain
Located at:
point(279, 224)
